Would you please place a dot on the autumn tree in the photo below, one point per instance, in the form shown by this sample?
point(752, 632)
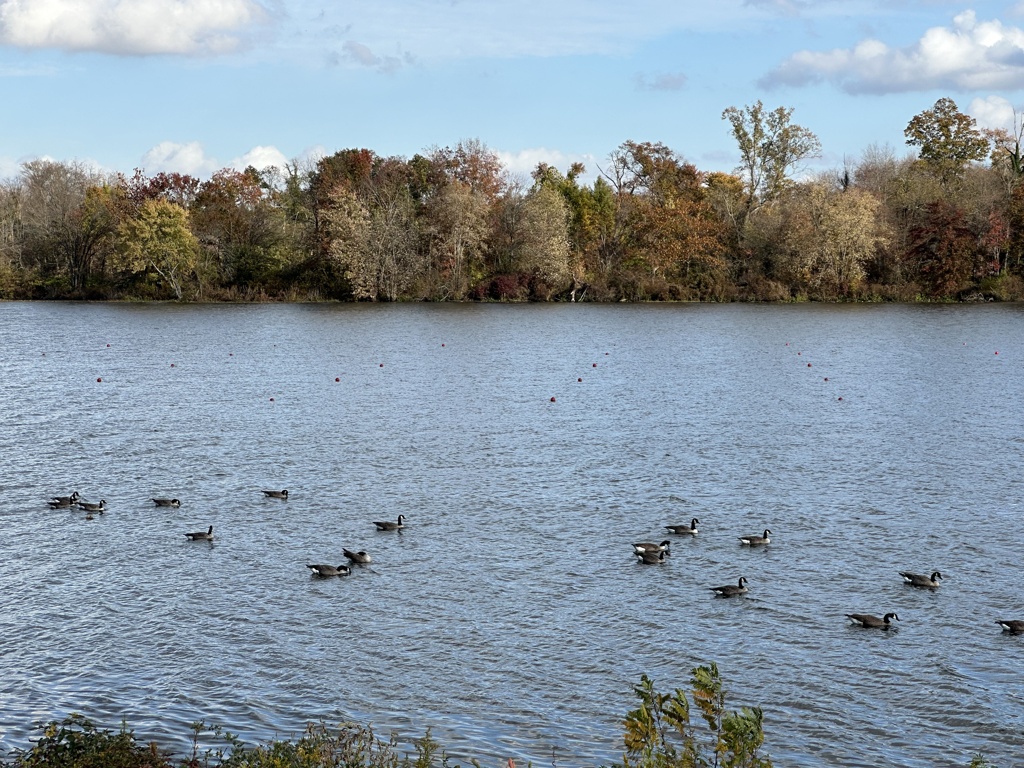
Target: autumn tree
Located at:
point(947, 140)
point(945, 250)
point(345, 226)
point(832, 233)
point(238, 228)
point(63, 228)
point(158, 238)
point(457, 225)
point(771, 147)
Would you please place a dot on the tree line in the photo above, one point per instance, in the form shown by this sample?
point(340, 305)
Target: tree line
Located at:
point(453, 224)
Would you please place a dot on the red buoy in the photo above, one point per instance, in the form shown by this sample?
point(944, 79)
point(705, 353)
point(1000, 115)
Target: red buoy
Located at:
point(337, 378)
point(840, 398)
point(271, 399)
point(553, 400)
point(382, 365)
point(442, 345)
point(595, 365)
point(808, 365)
point(108, 345)
point(172, 365)
point(98, 379)
point(579, 379)
point(826, 378)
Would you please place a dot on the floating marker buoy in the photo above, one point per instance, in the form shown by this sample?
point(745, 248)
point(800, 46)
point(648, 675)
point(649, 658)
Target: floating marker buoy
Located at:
point(595, 365)
point(337, 378)
point(553, 400)
point(826, 378)
point(808, 365)
point(271, 399)
point(840, 398)
point(108, 345)
point(382, 365)
point(98, 379)
point(997, 351)
point(579, 379)
point(172, 365)
point(442, 345)
point(606, 354)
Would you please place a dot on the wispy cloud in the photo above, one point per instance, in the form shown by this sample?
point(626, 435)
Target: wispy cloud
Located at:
point(968, 55)
point(666, 81)
point(129, 27)
point(362, 55)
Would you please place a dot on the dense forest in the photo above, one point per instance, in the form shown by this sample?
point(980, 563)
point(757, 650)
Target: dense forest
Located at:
point(452, 224)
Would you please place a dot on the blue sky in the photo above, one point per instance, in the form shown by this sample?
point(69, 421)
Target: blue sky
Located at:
point(197, 85)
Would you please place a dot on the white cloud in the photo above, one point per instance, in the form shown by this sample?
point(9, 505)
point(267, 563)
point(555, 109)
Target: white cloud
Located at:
point(968, 55)
point(525, 161)
point(170, 157)
point(992, 112)
point(129, 27)
point(260, 158)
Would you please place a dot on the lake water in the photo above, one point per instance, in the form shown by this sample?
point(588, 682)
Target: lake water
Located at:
point(510, 615)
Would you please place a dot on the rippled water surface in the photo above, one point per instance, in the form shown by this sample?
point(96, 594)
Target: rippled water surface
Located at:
point(510, 615)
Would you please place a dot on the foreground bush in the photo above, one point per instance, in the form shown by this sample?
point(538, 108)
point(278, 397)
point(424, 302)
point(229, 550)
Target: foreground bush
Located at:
point(658, 734)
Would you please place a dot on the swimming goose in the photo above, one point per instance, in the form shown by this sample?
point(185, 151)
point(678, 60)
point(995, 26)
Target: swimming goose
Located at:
point(872, 622)
point(648, 546)
point(360, 557)
point(730, 590)
point(1014, 626)
point(276, 494)
point(206, 535)
point(650, 558)
point(89, 506)
point(756, 540)
point(690, 529)
point(65, 501)
point(918, 580)
point(330, 570)
point(387, 525)
point(167, 502)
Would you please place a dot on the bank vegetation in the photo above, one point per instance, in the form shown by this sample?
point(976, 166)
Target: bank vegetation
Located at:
point(452, 224)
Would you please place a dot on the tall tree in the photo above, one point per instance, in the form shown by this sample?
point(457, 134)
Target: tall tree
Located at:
point(947, 139)
point(771, 148)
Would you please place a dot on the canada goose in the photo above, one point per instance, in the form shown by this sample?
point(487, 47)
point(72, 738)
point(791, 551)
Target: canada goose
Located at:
point(276, 494)
point(730, 590)
point(650, 558)
point(756, 540)
point(872, 622)
point(387, 525)
point(167, 502)
point(64, 501)
point(206, 535)
point(918, 580)
point(330, 570)
point(648, 546)
point(360, 557)
point(690, 529)
point(1014, 626)
point(89, 506)
point(63, 504)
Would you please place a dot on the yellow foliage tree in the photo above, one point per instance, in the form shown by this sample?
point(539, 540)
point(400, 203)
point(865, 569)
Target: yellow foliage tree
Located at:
point(158, 237)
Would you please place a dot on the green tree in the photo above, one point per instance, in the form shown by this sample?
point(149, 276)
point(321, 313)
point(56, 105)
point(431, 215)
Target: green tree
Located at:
point(947, 139)
point(158, 238)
